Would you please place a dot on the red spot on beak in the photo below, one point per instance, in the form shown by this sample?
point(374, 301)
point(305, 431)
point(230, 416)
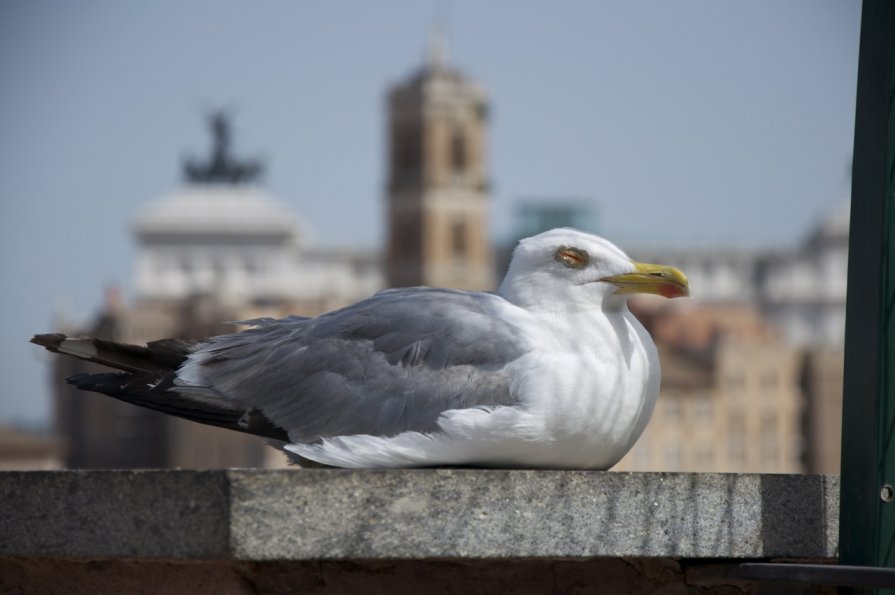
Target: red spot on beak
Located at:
point(672, 290)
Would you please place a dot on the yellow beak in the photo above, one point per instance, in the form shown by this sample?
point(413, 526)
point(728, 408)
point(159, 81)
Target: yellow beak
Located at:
point(652, 278)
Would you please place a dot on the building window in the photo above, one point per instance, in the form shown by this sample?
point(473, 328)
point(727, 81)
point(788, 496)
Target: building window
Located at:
point(769, 380)
point(459, 241)
point(736, 381)
point(407, 237)
point(458, 152)
point(408, 151)
point(702, 410)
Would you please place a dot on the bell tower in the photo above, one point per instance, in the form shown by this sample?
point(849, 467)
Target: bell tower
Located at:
point(437, 179)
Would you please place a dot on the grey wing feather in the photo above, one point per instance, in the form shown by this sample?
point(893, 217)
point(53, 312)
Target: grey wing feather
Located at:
point(389, 364)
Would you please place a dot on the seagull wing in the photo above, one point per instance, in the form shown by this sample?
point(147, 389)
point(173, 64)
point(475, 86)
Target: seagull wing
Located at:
point(386, 365)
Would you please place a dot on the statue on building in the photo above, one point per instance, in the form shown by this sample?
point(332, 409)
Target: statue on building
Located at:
point(221, 167)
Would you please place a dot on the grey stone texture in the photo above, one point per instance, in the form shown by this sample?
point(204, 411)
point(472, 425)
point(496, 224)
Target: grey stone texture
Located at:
point(462, 515)
point(115, 514)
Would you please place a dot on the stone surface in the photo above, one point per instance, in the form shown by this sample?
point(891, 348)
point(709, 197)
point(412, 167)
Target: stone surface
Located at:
point(115, 514)
point(464, 513)
point(457, 514)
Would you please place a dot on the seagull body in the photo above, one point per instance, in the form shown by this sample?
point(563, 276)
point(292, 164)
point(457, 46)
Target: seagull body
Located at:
point(551, 371)
point(575, 400)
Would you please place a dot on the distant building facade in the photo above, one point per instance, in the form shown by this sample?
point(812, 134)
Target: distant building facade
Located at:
point(437, 188)
point(822, 380)
point(788, 382)
point(801, 290)
point(804, 293)
point(23, 451)
point(244, 247)
point(234, 241)
point(730, 398)
point(218, 249)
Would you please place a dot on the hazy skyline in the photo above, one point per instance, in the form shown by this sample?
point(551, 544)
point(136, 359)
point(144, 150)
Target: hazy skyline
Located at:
point(686, 122)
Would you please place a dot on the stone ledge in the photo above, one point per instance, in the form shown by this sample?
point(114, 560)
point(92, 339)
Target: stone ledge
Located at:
point(431, 514)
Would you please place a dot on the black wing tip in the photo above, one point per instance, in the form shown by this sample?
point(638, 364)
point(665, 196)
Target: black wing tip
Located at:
point(149, 392)
point(50, 341)
point(77, 379)
point(256, 423)
point(96, 382)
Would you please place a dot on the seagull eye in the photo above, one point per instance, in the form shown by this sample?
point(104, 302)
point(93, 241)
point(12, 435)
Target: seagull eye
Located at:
point(573, 258)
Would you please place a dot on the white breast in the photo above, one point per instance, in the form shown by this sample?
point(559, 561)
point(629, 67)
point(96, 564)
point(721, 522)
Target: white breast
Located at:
point(597, 394)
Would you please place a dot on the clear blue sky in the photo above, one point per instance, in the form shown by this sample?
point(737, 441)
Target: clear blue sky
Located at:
point(688, 121)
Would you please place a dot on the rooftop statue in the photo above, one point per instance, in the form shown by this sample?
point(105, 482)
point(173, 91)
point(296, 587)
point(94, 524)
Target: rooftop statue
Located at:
point(221, 167)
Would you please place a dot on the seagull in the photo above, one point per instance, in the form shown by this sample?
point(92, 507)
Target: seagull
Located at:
point(550, 371)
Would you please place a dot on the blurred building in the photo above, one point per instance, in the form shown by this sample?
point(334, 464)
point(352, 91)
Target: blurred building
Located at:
point(218, 249)
point(437, 189)
point(22, 450)
point(822, 375)
point(222, 235)
point(730, 398)
point(800, 292)
point(803, 290)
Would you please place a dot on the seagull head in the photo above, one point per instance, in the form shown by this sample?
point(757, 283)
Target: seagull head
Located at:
point(565, 268)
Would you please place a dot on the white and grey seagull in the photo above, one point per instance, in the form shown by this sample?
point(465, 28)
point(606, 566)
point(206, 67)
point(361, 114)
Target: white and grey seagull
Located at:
point(551, 371)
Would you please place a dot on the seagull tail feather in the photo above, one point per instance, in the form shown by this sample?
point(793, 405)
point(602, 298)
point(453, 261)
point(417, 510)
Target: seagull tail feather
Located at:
point(146, 378)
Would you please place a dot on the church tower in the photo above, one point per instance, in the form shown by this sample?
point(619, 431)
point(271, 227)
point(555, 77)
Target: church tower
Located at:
point(437, 180)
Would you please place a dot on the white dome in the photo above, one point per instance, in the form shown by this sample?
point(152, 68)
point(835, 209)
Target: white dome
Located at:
point(212, 208)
